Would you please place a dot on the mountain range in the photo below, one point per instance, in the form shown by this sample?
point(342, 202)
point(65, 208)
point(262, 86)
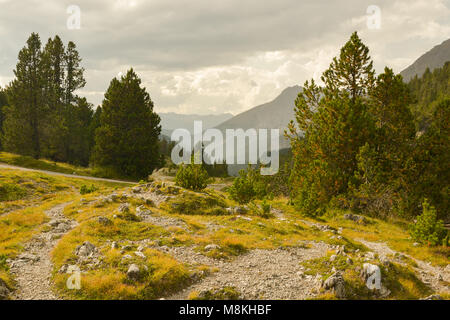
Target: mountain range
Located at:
point(435, 58)
point(277, 113)
point(171, 121)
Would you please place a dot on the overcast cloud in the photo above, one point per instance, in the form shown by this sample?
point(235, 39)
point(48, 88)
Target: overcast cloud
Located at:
point(208, 56)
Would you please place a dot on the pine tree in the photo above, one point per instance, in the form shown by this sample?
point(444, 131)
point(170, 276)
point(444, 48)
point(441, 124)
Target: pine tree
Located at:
point(379, 184)
point(127, 139)
point(74, 73)
point(79, 140)
point(22, 127)
point(429, 173)
point(335, 125)
point(55, 127)
point(3, 104)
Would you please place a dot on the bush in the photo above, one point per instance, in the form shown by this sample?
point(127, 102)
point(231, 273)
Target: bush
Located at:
point(192, 176)
point(3, 264)
point(11, 192)
point(85, 189)
point(248, 185)
point(263, 210)
point(197, 204)
point(428, 229)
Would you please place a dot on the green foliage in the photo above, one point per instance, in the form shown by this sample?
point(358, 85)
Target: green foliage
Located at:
point(127, 138)
point(428, 229)
point(428, 172)
point(3, 264)
point(335, 124)
point(265, 206)
point(214, 169)
point(3, 104)
point(128, 216)
point(263, 211)
point(225, 293)
point(192, 176)
point(358, 148)
point(44, 117)
point(11, 192)
point(85, 189)
point(197, 204)
point(427, 90)
point(278, 183)
point(248, 185)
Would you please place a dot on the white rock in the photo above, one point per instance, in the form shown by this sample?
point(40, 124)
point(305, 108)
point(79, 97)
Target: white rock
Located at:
point(210, 247)
point(140, 254)
point(133, 272)
point(85, 250)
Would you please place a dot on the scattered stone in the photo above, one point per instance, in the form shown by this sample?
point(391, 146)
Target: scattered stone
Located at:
point(28, 257)
point(210, 247)
point(333, 257)
point(133, 272)
point(66, 268)
point(354, 217)
point(4, 291)
point(87, 249)
point(136, 189)
point(349, 261)
point(433, 297)
point(336, 283)
point(127, 248)
point(140, 254)
point(142, 213)
point(104, 221)
point(124, 207)
point(54, 223)
point(63, 268)
point(114, 245)
point(241, 209)
point(416, 244)
point(385, 261)
point(369, 256)
point(127, 257)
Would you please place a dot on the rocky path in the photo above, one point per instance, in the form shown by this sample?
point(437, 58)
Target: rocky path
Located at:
point(33, 268)
point(258, 274)
point(436, 277)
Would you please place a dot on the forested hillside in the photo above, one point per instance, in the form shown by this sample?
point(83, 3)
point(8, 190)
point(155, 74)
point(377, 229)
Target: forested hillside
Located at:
point(427, 91)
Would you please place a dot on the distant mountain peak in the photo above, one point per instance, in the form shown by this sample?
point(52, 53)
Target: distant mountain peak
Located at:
point(435, 58)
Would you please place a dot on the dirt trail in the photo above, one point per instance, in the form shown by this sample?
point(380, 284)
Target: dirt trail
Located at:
point(258, 274)
point(8, 166)
point(436, 277)
point(32, 269)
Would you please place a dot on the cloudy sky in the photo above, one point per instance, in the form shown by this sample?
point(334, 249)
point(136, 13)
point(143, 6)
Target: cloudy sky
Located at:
point(209, 56)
